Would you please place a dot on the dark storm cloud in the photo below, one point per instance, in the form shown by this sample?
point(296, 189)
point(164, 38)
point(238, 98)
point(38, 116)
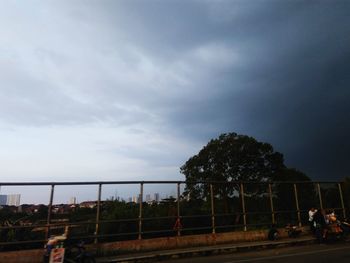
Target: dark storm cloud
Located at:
point(301, 105)
point(275, 70)
point(291, 87)
point(289, 83)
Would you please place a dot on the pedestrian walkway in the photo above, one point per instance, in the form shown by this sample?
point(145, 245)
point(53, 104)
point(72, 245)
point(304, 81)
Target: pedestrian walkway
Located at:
point(204, 251)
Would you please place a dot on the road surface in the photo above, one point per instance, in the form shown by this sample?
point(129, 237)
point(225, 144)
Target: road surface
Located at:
point(330, 253)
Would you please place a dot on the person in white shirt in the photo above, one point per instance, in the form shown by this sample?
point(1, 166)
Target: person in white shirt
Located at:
point(312, 212)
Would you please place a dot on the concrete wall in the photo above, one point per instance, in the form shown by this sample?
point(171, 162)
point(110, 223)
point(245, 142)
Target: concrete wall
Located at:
point(25, 256)
point(131, 246)
point(178, 242)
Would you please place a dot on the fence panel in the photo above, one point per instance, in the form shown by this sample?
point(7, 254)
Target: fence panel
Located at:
point(331, 198)
point(193, 208)
point(258, 205)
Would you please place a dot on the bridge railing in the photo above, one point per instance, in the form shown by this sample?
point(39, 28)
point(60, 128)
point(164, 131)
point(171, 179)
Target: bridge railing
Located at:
point(220, 207)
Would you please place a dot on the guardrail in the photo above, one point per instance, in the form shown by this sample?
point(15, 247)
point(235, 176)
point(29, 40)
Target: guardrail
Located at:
point(215, 219)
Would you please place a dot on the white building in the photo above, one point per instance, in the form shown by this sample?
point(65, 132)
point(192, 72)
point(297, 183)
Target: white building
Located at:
point(73, 200)
point(134, 199)
point(13, 199)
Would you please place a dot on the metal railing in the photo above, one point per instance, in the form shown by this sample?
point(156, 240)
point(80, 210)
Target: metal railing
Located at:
point(209, 221)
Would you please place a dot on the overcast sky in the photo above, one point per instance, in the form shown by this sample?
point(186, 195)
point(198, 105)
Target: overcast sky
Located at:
point(129, 90)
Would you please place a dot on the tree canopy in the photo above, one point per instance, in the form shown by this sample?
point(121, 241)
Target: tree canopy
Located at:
point(232, 157)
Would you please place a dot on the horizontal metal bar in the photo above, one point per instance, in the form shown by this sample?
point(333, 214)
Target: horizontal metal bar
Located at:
point(161, 182)
point(258, 213)
point(251, 225)
point(228, 226)
point(196, 228)
point(23, 242)
point(159, 218)
point(63, 224)
point(194, 216)
point(119, 220)
point(160, 231)
point(110, 235)
point(87, 183)
point(263, 183)
point(229, 214)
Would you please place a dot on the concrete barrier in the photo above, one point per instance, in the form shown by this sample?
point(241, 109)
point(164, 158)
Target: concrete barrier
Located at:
point(155, 244)
point(22, 256)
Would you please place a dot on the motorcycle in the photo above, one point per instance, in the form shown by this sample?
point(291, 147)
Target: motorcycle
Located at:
point(78, 253)
point(345, 226)
point(56, 251)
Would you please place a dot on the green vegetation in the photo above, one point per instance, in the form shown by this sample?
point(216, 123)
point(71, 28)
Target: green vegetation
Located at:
point(230, 159)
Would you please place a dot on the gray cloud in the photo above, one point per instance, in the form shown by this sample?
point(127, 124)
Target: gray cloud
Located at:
point(278, 71)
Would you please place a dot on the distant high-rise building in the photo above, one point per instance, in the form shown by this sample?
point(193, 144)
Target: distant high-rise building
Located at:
point(156, 197)
point(3, 199)
point(148, 198)
point(134, 199)
point(73, 200)
point(13, 199)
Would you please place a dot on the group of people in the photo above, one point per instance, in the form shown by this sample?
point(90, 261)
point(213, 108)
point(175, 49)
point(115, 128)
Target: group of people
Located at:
point(324, 222)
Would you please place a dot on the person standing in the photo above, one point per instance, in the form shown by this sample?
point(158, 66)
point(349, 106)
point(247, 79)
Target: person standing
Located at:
point(320, 225)
point(273, 233)
point(312, 212)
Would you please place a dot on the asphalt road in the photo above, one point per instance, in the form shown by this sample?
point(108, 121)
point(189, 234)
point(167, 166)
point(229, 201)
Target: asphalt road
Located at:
point(335, 253)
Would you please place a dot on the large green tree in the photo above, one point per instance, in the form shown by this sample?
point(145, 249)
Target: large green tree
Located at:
point(283, 189)
point(231, 158)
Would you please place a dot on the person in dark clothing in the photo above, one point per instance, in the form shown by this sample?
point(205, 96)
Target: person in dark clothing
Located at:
point(345, 227)
point(273, 233)
point(293, 231)
point(321, 225)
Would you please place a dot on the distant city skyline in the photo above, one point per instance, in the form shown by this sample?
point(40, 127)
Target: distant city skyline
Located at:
point(15, 199)
point(89, 193)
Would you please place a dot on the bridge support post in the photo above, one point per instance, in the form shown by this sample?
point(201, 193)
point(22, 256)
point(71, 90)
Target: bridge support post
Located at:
point(319, 195)
point(342, 200)
point(97, 226)
point(271, 205)
point(49, 210)
point(178, 219)
point(297, 204)
point(140, 211)
point(243, 207)
point(212, 208)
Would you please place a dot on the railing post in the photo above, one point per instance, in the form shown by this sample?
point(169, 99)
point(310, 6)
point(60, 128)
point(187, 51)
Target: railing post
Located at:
point(48, 222)
point(342, 200)
point(140, 211)
point(319, 195)
point(297, 203)
point(97, 226)
point(212, 209)
point(178, 211)
point(243, 208)
point(271, 205)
